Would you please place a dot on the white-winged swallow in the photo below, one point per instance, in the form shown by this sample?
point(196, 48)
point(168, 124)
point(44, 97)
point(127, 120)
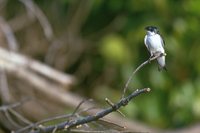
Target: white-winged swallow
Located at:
point(155, 45)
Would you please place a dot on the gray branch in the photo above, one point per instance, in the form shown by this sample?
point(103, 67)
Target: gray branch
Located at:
point(75, 122)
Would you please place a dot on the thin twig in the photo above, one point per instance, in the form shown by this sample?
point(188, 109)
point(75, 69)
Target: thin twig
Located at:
point(87, 119)
point(14, 105)
point(9, 112)
point(79, 105)
point(35, 11)
point(22, 130)
point(53, 118)
point(109, 123)
point(10, 37)
point(86, 110)
point(137, 69)
point(4, 88)
point(20, 117)
point(12, 122)
point(112, 104)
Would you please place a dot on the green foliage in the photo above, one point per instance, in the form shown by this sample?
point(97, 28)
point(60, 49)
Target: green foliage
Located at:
point(114, 49)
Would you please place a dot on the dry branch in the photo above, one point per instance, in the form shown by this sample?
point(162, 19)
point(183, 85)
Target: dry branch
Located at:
point(75, 122)
point(138, 68)
point(35, 11)
point(9, 35)
point(13, 62)
point(8, 112)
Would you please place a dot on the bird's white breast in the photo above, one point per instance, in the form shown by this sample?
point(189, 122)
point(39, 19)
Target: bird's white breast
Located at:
point(154, 43)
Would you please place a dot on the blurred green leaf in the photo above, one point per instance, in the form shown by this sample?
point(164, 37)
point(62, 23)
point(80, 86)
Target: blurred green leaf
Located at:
point(192, 6)
point(157, 79)
point(151, 110)
point(196, 106)
point(114, 49)
point(182, 97)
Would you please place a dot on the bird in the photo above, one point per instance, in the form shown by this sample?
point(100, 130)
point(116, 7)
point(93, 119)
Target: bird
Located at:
point(155, 45)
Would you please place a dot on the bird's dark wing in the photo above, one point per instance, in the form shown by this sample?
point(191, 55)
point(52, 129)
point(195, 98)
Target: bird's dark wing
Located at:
point(163, 41)
point(146, 43)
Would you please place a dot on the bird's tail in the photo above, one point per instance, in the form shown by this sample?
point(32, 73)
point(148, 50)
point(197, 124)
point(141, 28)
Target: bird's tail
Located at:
point(162, 68)
point(161, 63)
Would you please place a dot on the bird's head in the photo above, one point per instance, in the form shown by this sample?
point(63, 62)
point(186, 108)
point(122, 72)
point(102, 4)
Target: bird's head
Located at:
point(152, 30)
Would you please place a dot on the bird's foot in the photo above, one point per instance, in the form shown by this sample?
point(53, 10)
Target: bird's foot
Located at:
point(163, 54)
point(149, 60)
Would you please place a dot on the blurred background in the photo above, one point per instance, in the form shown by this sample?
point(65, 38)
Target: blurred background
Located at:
point(97, 44)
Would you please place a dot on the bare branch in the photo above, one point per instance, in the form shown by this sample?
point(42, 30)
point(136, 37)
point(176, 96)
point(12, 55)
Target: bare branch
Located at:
point(9, 112)
point(112, 104)
point(12, 61)
point(36, 11)
point(4, 88)
point(80, 105)
point(138, 68)
point(12, 42)
point(75, 122)
point(111, 124)
point(53, 118)
point(11, 106)
point(41, 122)
point(77, 15)
point(20, 117)
point(11, 121)
point(21, 22)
